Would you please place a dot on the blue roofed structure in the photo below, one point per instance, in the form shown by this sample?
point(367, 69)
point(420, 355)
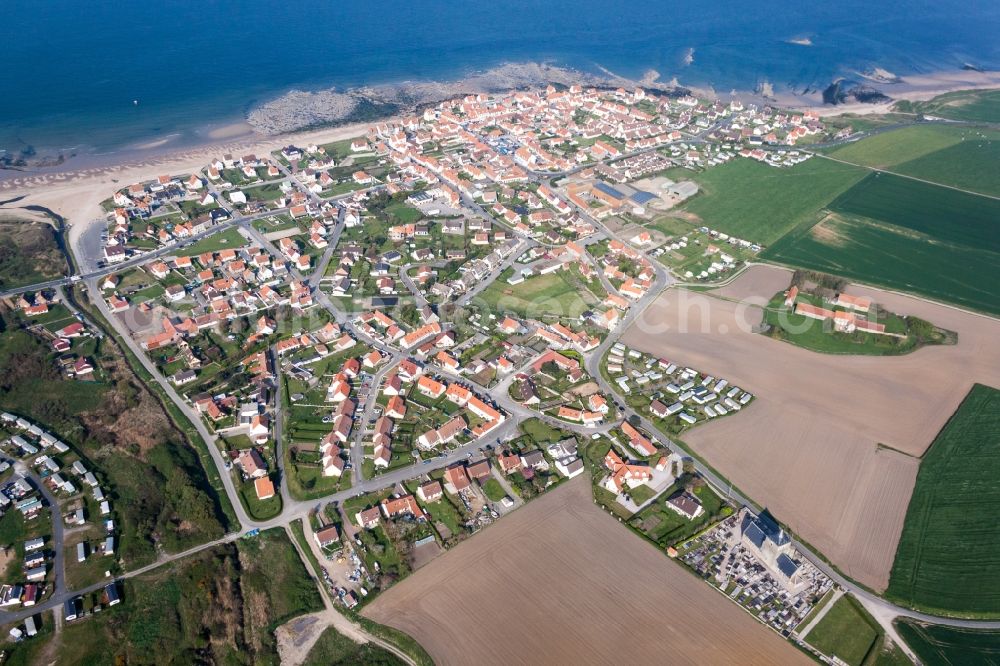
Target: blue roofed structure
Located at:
point(610, 191)
point(642, 198)
point(764, 533)
point(787, 565)
point(753, 533)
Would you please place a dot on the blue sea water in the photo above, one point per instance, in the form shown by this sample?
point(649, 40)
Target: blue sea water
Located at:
point(70, 69)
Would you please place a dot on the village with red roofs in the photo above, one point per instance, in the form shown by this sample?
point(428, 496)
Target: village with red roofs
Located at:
point(400, 338)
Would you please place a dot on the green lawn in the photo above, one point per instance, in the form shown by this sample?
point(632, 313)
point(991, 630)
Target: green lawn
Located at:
point(494, 490)
point(971, 105)
point(267, 192)
point(950, 546)
point(338, 149)
point(671, 226)
point(447, 513)
point(942, 213)
point(938, 645)
point(271, 224)
point(667, 527)
point(641, 494)
point(335, 649)
point(761, 203)
point(846, 631)
point(259, 509)
point(341, 188)
point(816, 609)
point(551, 294)
point(970, 164)
point(897, 146)
point(230, 239)
point(542, 433)
point(401, 212)
point(307, 481)
point(193, 208)
point(905, 235)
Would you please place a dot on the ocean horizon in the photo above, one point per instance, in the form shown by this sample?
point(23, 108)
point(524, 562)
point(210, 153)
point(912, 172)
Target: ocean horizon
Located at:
point(99, 78)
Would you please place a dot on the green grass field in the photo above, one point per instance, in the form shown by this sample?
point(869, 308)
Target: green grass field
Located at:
point(950, 545)
point(761, 203)
point(971, 105)
point(670, 226)
point(192, 208)
point(905, 235)
point(867, 251)
point(271, 567)
point(41, 391)
point(939, 645)
point(230, 239)
point(889, 149)
point(962, 157)
point(888, 654)
point(944, 214)
point(846, 631)
point(402, 213)
point(334, 649)
point(550, 294)
point(970, 164)
point(820, 605)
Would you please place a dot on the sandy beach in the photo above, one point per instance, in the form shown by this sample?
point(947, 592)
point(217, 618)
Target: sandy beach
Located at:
point(76, 194)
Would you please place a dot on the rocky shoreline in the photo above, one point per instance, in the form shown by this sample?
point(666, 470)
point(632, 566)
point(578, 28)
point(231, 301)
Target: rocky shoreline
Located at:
point(298, 110)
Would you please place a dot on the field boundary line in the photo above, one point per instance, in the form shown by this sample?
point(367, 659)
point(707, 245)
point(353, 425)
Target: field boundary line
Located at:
point(903, 175)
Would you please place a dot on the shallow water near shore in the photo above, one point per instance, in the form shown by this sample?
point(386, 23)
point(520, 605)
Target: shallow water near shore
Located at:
point(93, 77)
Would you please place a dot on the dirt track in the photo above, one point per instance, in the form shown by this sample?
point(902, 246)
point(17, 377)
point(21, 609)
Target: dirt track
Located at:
point(808, 446)
point(559, 582)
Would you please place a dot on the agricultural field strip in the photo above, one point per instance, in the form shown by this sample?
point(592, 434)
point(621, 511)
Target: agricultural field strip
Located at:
point(563, 546)
point(903, 175)
point(966, 325)
point(951, 505)
point(903, 246)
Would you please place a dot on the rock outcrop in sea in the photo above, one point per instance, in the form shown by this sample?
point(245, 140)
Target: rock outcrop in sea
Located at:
point(297, 109)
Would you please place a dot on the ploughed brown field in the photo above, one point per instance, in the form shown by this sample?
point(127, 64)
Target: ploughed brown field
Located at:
point(832, 443)
point(559, 581)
